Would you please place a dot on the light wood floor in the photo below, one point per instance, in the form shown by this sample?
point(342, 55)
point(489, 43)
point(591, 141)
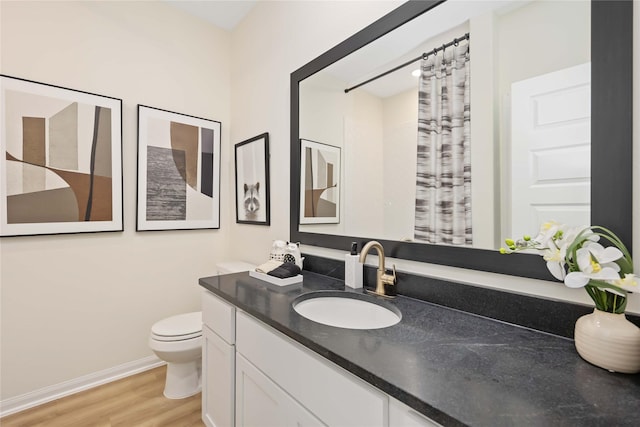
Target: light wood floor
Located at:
point(135, 401)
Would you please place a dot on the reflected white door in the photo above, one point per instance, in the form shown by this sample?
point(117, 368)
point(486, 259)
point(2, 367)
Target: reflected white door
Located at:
point(551, 149)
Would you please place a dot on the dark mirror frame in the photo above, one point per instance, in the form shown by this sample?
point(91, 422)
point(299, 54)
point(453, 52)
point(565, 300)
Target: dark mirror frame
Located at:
point(611, 142)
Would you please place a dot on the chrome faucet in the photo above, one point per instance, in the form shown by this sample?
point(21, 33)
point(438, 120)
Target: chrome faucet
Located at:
point(382, 278)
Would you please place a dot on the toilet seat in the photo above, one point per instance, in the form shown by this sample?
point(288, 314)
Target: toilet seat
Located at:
point(178, 328)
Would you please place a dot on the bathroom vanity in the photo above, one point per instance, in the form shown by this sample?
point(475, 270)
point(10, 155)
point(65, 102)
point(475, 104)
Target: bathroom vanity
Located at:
point(264, 364)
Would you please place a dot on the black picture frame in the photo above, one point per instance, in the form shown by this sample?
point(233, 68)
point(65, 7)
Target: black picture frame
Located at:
point(178, 184)
point(252, 181)
point(61, 166)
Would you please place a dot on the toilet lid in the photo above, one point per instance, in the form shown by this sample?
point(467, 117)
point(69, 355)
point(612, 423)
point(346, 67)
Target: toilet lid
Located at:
point(179, 327)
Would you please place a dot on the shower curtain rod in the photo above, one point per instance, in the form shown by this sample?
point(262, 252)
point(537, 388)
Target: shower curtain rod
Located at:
point(425, 55)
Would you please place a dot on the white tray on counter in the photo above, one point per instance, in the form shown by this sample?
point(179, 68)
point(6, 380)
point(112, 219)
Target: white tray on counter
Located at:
point(289, 281)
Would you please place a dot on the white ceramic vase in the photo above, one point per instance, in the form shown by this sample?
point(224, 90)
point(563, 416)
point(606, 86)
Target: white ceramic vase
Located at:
point(609, 341)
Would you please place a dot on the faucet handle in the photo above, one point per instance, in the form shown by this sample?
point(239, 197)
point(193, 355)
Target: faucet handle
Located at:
point(389, 279)
point(388, 282)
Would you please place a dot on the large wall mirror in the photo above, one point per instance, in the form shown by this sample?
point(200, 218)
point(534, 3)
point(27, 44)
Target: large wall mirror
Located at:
point(544, 128)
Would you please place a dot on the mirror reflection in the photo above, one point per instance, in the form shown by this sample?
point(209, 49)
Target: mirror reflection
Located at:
point(488, 141)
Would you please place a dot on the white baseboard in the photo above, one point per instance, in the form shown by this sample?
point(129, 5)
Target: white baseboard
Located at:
point(56, 391)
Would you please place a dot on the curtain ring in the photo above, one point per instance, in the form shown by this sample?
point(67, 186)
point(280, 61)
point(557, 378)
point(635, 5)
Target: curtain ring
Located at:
point(456, 42)
point(435, 51)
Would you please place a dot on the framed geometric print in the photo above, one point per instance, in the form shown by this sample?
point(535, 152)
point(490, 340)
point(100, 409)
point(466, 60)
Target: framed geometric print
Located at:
point(178, 171)
point(61, 164)
point(319, 183)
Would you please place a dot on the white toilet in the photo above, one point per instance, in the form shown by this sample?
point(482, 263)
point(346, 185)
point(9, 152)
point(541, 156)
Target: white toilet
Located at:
point(178, 341)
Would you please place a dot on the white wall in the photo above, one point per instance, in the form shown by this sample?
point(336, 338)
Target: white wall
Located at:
point(400, 151)
point(362, 156)
point(274, 40)
point(72, 305)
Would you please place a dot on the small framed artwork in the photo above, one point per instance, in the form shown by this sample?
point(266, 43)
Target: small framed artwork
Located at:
point(252, 180)
point(61, 160)
point(320, 186)
point(178, 171)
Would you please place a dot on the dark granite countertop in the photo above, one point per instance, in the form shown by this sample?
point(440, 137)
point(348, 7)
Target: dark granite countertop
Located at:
point(454, 367)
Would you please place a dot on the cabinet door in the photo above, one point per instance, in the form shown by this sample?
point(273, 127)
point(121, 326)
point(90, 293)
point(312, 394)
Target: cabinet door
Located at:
point(261, 403)
point(219, 316)
point(332, 394)
point(218, 385)
point(400, 415)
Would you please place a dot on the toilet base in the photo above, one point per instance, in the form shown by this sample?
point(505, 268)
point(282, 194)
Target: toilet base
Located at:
point(183, 379)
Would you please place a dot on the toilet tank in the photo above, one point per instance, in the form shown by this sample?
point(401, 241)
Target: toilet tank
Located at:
point(228, 267)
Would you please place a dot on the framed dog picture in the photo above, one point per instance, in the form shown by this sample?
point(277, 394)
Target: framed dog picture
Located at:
point(178, 171)
point(319, 183)
point(61, 160)
point(252, 180)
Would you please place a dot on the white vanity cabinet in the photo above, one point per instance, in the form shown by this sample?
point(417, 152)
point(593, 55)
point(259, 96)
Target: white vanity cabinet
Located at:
point(332, 395)
point(255, 376)
point(261, 402)
point(218, 361)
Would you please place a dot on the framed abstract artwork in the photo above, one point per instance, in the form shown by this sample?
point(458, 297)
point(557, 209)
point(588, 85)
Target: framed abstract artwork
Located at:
point(320, 186)
point(252, 180)
point(61, 164)
point(178, 171)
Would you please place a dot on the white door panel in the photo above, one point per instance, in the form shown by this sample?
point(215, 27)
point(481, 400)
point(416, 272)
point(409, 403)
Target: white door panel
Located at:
point(551, 165)
point(551, 149)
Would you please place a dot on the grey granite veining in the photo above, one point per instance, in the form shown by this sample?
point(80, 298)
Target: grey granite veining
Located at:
point(454, 367)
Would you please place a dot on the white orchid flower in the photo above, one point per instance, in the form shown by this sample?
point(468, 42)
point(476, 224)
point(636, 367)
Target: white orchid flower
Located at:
point(597, 267)
point(629, 283)
point(595, 263)
point(556, 249)
point(548, 231)
point(555, 257)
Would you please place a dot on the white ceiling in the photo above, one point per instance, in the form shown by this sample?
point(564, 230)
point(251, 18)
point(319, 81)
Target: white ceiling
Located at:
point(222, 13)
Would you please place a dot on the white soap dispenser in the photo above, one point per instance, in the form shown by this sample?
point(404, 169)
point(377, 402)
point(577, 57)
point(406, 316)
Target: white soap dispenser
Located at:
point(353, 268)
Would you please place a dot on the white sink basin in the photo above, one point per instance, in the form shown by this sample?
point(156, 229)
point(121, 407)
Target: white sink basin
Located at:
point(348, 310)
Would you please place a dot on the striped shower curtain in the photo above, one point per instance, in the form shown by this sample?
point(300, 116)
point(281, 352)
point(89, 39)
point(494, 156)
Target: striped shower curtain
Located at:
point(443, 181)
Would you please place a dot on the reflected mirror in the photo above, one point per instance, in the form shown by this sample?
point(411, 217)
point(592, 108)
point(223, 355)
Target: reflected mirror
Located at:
point(526, 129)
